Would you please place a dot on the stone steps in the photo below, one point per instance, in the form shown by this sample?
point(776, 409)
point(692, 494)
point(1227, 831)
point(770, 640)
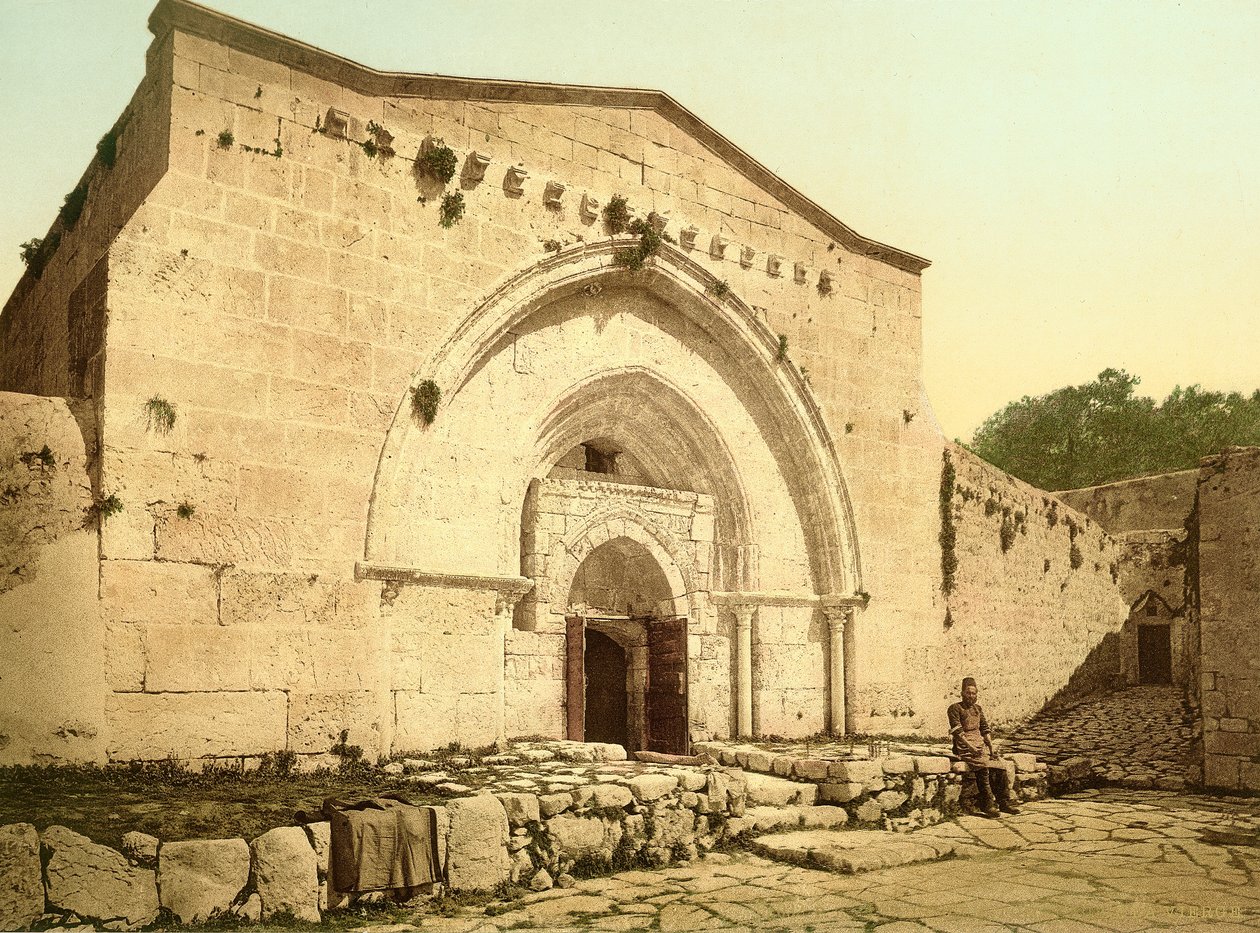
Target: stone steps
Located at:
point(911, 788)
point(849, 851)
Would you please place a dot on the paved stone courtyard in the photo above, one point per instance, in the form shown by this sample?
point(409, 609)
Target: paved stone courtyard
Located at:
point(1116, 860)
point(1136, 737)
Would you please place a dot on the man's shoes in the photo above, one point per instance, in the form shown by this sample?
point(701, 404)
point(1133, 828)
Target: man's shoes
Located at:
point(991, 812)
point(1010, 808)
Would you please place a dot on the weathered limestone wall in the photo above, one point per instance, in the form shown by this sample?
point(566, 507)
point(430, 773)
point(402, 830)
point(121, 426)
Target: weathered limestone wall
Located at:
point(284, 303)
point(52, 328)
point(789, 676)
point(51, 661)
point(1025, 618)
point(1146, 503)
point(1229, 602)
point(282, 288)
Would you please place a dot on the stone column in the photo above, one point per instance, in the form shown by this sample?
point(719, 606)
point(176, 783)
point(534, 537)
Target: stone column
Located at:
point(743, 669)
point(837, 616)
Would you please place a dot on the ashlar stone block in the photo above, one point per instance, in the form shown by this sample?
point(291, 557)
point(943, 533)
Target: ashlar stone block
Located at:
point(476, 849)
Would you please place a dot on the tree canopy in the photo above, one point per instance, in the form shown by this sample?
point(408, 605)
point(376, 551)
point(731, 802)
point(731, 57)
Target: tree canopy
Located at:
point(1102, 431)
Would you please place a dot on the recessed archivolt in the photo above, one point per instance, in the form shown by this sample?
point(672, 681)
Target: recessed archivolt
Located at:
point(621, 522)
point(803, 440)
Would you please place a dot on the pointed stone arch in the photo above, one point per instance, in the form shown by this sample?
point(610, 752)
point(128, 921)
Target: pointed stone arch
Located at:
point(777, 392)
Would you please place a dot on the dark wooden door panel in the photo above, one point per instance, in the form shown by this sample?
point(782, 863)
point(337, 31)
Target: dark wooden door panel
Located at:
point(667, 687)
point(575, 678)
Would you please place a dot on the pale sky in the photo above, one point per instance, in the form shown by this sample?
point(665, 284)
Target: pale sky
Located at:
point(1084, 176)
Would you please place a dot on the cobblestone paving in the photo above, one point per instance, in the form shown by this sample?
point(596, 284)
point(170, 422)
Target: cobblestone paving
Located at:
point(1123, 861)
point(1137, 737)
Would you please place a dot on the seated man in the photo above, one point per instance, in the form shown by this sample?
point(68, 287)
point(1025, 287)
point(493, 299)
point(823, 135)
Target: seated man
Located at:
point(973, 744)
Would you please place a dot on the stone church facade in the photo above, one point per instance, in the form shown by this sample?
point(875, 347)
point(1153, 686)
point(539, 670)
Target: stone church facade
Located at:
point(703, 498)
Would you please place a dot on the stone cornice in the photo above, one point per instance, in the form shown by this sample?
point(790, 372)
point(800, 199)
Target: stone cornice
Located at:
point(198, 20)
point(509, 586)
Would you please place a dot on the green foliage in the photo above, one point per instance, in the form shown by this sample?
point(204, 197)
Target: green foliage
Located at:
point(781, 353)
point(1074, 556)
point(36, 252)
point(1101, 431)
point(424, 400)
point(369, 147)
point(110, 506)
point(440, 162)
point(279, 763)
point(452, 209)
point(949, 533)
point(634, 257)
point(617, 214)
point(351, 755)
point(226, 139)
point(159, 415)
point(719, 289)
point(107, 149)
point(72, 206)
point(186, 510)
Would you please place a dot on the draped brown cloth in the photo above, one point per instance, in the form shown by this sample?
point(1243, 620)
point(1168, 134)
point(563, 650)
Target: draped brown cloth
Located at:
point(380, 844)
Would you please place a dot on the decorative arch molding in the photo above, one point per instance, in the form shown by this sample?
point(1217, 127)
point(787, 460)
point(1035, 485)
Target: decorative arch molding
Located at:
point(662, 417)
point(674, 278)
point(616, 522)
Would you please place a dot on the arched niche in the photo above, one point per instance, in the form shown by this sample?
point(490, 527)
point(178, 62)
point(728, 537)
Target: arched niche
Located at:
point(430, 515)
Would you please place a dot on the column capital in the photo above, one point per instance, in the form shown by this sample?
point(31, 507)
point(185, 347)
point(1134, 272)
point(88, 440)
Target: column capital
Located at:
point(744, 616)
point(838, 616)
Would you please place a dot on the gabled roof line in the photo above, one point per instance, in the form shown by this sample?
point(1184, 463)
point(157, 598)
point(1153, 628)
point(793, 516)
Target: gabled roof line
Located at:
point(206, 23)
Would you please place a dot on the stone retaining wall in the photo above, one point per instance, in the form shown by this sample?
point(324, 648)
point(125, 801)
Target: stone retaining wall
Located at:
point(898, 791)
point(485, 840)
point(564, 825)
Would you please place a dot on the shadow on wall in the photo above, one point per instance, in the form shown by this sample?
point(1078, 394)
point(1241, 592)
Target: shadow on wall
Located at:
point(1098, 673)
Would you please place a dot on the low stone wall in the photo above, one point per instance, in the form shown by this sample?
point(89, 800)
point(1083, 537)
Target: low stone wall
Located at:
point(898, 791)
point(485, 840)
point(588, 816)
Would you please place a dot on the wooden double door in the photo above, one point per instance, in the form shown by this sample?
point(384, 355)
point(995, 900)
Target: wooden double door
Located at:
point(601, 689)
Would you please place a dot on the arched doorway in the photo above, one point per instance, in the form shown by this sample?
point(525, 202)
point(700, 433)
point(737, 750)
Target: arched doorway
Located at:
point(626, 651)
point(580, 404)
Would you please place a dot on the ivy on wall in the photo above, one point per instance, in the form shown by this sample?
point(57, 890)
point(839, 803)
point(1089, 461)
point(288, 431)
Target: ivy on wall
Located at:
point(949, 532)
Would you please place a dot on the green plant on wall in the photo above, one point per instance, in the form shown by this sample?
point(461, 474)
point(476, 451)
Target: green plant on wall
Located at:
point(226, 139)
point(159, 415)
point(36, 252)
point(107, 148)
point(72, 206)
point(186, 510)
point(110, 506)
point(719, 289)
point(634, 257)
point(617, 214)
point(424, 400)
point(452, 209)
point(949, 533)
point(439, 161)
point(781, 353)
